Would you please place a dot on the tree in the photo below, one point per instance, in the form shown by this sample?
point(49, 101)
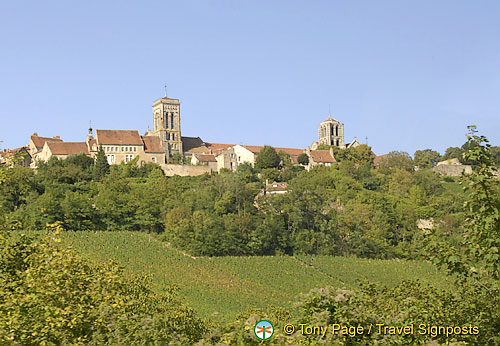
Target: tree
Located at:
point(495, 155)
point(397, 160)
point(453, 153)
point(101, 167)
point(177, 159)
point(267, 158)
point(361, 154)
point(426, 158)
point(475, 264)
point(2, 172)
point(51, 296)
point(303, 159)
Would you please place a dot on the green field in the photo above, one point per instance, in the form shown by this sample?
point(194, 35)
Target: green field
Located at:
point(220, 287)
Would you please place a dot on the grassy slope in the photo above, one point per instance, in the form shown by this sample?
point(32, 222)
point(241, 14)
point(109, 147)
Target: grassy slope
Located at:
point(227, 285)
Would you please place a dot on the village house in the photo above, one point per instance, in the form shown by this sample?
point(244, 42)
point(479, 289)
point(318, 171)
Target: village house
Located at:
point(18, 156)
point(166, 140)
point(320, 158)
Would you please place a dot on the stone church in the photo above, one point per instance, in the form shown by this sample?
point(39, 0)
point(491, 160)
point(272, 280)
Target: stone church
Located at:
point(166, 140)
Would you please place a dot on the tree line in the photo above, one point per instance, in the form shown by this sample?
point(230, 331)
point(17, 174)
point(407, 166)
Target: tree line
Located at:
point(350, 209)
point(49, 295)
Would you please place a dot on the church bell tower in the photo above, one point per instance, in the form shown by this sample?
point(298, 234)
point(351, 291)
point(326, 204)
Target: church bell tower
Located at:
point(331, 132)
point(167, 124)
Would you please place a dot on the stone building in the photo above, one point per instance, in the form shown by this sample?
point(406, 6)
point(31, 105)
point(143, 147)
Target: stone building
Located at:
point(166, 139)
point(320, 158)
point(331, 132)
point(37, 142)
point(125, 145)
point(61, 150)
point(167, 124)
point(16, 157)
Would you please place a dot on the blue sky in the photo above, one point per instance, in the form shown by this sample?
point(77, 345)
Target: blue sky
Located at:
point(406, 74)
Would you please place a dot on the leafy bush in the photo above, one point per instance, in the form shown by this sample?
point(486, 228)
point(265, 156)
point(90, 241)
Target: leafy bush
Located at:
point(49, 295)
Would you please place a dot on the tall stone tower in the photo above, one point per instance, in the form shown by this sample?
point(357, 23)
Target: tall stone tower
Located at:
point(331, 132)
point(167, 124)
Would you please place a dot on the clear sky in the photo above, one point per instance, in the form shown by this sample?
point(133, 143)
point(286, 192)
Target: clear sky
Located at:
point(406, 74)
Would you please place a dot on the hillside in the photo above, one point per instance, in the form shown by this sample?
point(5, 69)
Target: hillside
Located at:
point(220, 287)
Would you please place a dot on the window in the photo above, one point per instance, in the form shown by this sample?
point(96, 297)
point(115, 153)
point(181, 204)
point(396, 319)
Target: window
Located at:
point(126, 148)
point(153, 159)
point(231, 156)
point(111, 159)
point(135, 148)
point(129, 158)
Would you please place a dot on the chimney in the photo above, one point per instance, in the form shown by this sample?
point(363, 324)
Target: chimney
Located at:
point(57, 137)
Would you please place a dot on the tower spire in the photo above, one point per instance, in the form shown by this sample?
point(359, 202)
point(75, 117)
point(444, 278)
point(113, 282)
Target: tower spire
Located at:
point(165, 89)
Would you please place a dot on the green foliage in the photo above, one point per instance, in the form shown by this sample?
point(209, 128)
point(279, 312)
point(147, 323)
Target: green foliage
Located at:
point(453, 153)
point(50, 295)
point(396, 160)
point(349, 209)
point(303, 159)
point(229, 285)
point(474, 259)
point(267, 158)
point(101, 167)
point(177, 159)
point(426, 158)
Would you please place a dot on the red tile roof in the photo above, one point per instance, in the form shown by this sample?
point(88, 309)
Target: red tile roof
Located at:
point(293, 152)
point(68, 148)
point(275, 187)
point(152, 144)
point(205, 158)
point(118, 137)
point(40, 141)
point(322, 156)
point(10, 152)
point(217, 148)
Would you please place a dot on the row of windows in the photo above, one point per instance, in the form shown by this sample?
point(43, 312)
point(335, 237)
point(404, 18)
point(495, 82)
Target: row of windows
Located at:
point(128, 158)
point(134, 149)
point(334, 130)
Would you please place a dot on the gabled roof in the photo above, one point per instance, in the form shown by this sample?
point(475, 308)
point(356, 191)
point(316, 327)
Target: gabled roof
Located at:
point(40, 141)
point(205, 158)
point(293, 152)
point(68, 148)
point(118, 137)
point(11, 152)
point(218, 147)
point(354, 142)
point(322, 156)
point(189, 143)
point(152, 144)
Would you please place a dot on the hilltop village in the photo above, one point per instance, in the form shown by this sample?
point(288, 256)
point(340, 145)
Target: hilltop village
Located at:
point(166, 146)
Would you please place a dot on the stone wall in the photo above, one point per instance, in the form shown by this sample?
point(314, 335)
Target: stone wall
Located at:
point(452, 170)
point(185, 170)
